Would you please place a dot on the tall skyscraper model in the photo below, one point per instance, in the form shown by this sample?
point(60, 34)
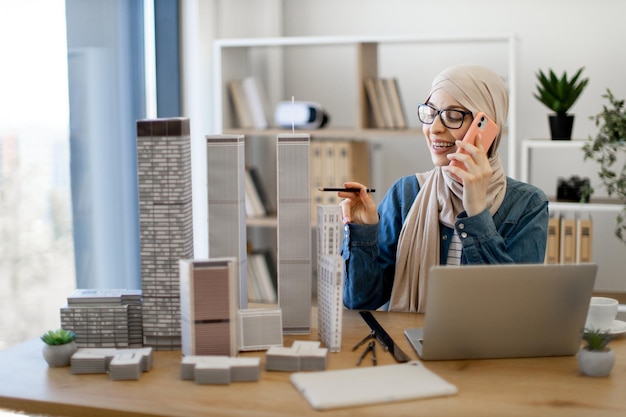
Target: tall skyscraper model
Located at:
point(294, 232)
point(165, 224)
point(226, 205)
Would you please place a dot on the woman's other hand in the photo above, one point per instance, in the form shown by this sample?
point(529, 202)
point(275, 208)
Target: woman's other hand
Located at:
point(357, 208)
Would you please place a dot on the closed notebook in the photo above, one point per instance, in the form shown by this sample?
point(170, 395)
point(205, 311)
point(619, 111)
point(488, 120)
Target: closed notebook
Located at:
point(388, 383)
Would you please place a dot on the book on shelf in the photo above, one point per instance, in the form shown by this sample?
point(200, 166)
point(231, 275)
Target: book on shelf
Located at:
point(395, 102)
point(385, 102)
point(250, 103)
point(253, 201)
point(261, 190)
point(568, 240)
point(261, 277)
point(375, 109)
point(584, 231)
point(553, 251)
point(257, 101)
point(240, 104)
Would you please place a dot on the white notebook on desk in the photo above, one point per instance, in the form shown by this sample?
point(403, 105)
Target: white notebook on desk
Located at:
point(370, 385)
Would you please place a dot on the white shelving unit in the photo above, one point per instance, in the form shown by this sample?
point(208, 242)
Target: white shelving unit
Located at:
point(528, 145)
point(332, 70)
point(266, 58)
point(561, 155)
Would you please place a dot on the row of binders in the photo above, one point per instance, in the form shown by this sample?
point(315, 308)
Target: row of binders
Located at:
point(333, 163)
point(569, 240)
point(383, 96)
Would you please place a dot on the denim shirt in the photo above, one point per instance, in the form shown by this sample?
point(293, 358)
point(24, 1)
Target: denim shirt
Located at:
point(517, 233)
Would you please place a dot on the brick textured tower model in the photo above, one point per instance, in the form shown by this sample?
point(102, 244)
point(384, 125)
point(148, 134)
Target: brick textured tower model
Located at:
point(329, 276)
point(208, 305)
point(165, 223)
point(227, 205)
point(294, 232)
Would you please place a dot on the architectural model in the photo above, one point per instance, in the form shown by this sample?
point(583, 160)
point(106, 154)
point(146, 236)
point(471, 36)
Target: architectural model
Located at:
point(226, 205)
point(104, 318)
point(329, 276)
point(208, 304)
point(259, 328)
point(121, 364)
point(219, 369)
point(294, 232)
point(301, 356)
point(165, 223)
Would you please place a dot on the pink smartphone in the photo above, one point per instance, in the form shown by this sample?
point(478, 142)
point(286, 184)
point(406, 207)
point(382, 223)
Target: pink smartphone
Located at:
point(483, 125)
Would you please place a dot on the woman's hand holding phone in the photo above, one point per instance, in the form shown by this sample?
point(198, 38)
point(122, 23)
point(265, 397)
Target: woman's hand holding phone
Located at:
point(481, 125)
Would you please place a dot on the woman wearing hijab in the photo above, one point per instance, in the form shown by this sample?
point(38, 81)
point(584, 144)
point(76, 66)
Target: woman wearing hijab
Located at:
point(446, 216)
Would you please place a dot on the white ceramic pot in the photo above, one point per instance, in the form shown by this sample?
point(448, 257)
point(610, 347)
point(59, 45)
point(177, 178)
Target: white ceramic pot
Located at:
point(596, 363)
point(59, 355)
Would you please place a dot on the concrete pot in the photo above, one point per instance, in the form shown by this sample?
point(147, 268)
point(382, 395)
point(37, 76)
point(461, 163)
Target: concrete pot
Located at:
point(596, 363)
point(59, 355)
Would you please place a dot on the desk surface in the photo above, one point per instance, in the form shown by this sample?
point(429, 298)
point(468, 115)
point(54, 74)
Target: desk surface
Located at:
point(502, 387)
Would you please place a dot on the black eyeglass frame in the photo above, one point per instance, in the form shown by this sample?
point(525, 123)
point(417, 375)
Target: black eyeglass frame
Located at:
point(443, 119)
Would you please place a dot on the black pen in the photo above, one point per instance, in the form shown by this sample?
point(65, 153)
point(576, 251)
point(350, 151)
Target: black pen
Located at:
point(347, 190)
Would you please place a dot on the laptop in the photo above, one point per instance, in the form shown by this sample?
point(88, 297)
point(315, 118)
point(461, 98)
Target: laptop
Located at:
point(504, 311)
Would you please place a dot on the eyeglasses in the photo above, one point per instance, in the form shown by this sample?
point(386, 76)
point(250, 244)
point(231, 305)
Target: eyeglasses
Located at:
point(452, 119)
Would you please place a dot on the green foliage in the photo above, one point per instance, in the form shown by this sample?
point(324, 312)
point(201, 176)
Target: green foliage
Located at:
point(605, 148)
point(58, 337)
point(597, 340)
point(559, 94)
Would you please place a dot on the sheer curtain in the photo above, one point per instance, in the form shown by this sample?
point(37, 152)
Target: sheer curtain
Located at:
point(36, 245)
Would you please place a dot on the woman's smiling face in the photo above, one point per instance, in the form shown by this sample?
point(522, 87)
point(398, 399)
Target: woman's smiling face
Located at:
point(440, 139)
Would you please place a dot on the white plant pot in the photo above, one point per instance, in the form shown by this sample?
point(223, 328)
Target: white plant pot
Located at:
point(59, 355)
point(596, 363)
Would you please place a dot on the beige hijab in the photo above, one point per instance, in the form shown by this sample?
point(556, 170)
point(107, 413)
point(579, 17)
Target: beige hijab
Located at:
point(441, 196)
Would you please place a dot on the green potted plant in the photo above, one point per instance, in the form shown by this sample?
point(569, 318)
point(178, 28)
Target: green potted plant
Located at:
point(595, 358)
point(59, 347)
point(559, 94)
point(608, 148)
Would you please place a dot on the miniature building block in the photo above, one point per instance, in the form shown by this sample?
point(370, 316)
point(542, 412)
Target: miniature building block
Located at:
point(208, 301)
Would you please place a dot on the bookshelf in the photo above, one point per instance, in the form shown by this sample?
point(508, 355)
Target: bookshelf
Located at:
point(555, 149)
point(281, 64)
point(332, 70)
point(541, 162)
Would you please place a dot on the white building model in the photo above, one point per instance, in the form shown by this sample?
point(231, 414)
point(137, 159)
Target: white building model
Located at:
point(329, 276)
point(226, 205)
point(294, 232)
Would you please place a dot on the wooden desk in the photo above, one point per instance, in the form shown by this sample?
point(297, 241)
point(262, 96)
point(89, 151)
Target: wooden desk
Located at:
point(504, 387)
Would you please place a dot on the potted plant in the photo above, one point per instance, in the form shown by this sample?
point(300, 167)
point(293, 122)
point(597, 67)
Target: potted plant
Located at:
point(59, 348)
point(608, 149)
point(559, 94)
point(595, 358)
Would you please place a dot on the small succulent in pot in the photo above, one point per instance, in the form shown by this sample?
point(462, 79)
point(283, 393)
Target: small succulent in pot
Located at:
point(58, 337)
point(596, 358)
point(597, 340)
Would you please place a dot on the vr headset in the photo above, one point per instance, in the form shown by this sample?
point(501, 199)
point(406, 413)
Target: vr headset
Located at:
point(300, 115)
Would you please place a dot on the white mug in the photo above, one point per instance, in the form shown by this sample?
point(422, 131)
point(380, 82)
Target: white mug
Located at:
point(602, 312)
